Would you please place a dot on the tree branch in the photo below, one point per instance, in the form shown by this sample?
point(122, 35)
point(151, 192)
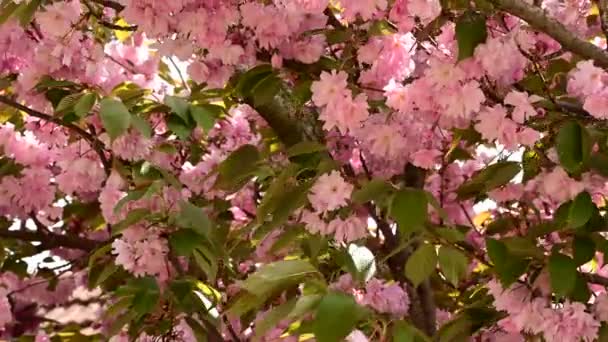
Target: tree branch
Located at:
point(596, 279)
point(117, 27)
point(50, 240)
point(602, 6)
point(538, 19)
point(95, 144)
point(110, 4)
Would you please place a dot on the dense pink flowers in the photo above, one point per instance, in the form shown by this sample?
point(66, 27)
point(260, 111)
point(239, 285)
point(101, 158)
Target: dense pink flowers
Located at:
point(142, 252)
point(558, 186)
point(330, 192)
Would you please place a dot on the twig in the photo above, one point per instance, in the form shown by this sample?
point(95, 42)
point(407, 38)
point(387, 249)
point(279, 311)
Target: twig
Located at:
point(110, 4)
point(537, 19)
point(95, 144)
point(51, 240)
point(179, 72)
point(117, 27)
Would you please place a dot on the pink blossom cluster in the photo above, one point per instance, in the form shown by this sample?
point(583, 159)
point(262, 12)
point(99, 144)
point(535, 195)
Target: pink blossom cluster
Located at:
point(589, 83)
point(567, 322)
point(384, 297)
point(142, 252)
point(330, 193)
point(341, 109)
point(494, 125)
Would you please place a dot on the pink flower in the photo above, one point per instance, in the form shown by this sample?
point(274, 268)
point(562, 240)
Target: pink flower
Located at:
point(312, 6)
point(132, 146)
point(523, 105)
point(6, 315)
point(363, 8)
point(329, 88)
point(586, 79)
point(142, 252)
point(350, 229)
point(41, 336)
point(426, 10)
point(58, 18)
point(329, 192)
point(390, 299)
point(600, 307)
point(527, 136)
point(558, 186)
point(356, 336)
point(345, 113)
point(571, 324)
point(491, 57)
point(597, 104)
point(381, 139)
point(494, 125)
point(313, 223)
point(462, 101)
point(425, 158)
point(507, 193)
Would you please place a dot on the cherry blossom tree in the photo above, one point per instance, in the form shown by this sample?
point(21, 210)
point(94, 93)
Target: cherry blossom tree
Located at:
point(304, 170)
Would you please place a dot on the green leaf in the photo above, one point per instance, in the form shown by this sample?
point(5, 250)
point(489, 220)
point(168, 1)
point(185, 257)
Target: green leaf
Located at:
point(98, 276)
point(6, 10)
point(238, 168)
point(206, 261)
point(409, 208)
point(147, 294)
point(339, 35)
point(142, 125)
point(501, 225)
point(66, 105)
point(336, 317)
point(252, 77)
point(470, 32)
point(184, 241)
point(179, 127)
point(451, 234)
point(573, 145)
point(205, 115)
point(278, 275)
point(100, 252)
point(458, 329)
point(265, 91)
point(491, 177)
point(599, 162)
point(115, 117)
point(178, 106)
point(381, 28)
point(584, 249)
point(304, 305)
point(580, 210)
point(421, 264)
point(373, 190)
point(562, 272)
point(131, 196)
point(406, 332)
point(85, 104)
point(508, 267)
point(132, 218)
point(272, 318)
point(523, 247)
point(305, 147)
point(26, 11)
point(453, 264)
point(194, 218)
